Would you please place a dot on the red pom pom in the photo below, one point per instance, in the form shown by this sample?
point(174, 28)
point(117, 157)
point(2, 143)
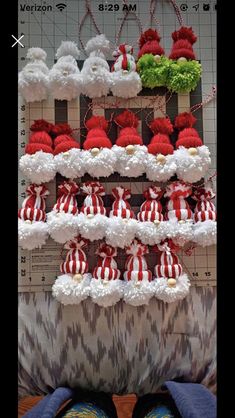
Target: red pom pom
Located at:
point(98, 141)
point(41, 125)
point(61, 128)
point(184, 33)
point(149, 35)
point(97, 122)
point(64, 143)
point(189, 138)
point(161, 125)
point(184, 120)
point(129, 136)
point(127, 119)
point(40, 137)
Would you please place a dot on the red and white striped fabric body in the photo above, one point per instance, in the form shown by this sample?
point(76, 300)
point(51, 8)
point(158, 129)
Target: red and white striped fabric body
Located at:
point(120, 207)
point(137, 269)
point(106, 273)
point(76, 262)
point(33, 206)
point(169, 266)
point(66, 203)
point(32, 214)
point(178, 209)
point(150, 210)
point(204, 211)
point(93, 204)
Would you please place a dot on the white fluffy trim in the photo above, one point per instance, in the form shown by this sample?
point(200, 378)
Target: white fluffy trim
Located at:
point(106, 294)
point(131, 165)
point(192, 168)
point(32, 235)
point(68, 291)
point(94, 228)
point(33, 86)
point(64, 87)
point(98, 43)
point(62, 226)
point(70, 164)
point(159, 172)
point(172, 294)
point(205, 233)
point(68, 48)
point(36, 54)
point(96, 83)
point(38, 167)
point(102, 165)
point(180, 233)
point(138, 295)
point(151, 234)
point(120, 233)
point(125, 85)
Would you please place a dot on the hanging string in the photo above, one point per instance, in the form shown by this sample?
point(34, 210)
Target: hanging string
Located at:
point(127, 12)
point(87, 13)
point(152, 9)
point(177, 12)
point(207, 99)
point(161, 106)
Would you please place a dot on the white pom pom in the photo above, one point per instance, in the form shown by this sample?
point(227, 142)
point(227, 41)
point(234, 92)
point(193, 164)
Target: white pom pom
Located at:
point(32, 235)
point(62, 226)
point(96, 77)
point(120, 232)
point(130, 165)
point(181, 233)
point(138, 294)
point(38, 167)
point(155, 171)
point(70, 164)
point(36, 54)
point(126, 85)
point(69, 292)
point(98, 43)
point(191, 168)
point(106, 294)
point(102, 165)
point(68, 48)
point(171, 294)
point(205, 233)
point(92, 228)
point(150, 233)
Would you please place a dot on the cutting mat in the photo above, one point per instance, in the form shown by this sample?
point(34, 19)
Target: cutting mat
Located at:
point(46, 26)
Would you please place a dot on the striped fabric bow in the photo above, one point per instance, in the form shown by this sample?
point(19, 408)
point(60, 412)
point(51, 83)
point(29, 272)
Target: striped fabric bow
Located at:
point(178, 189)
point(202, 193)
point(121, 193)
point(105, 250)
point(153, 192)
point(68, 188)
point(137, 248)
point(93, 187)
point(78, 242)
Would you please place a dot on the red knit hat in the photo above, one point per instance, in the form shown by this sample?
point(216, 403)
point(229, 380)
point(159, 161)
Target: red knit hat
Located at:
point(97, 137)
point(183, 39)
point(128, 134)
point(149, 43)
point(205, 209)
point(120, 207)
point(151, 209)
point(66, 201)
point(106, 266)
point(93, 203)
point(136, 264)
point(168, 265)
point(76, 261)
point(40, 139)
point(33, 207)
point(63, 140)
point(188, 137)
point(160, 142)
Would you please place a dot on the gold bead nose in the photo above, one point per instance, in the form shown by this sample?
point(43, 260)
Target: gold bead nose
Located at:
point(130, 149)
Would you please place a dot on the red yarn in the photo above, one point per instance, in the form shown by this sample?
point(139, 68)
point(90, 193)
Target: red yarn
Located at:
point(97, 122)
point(127, 119)
point(188, 138)
point(160, 148)
point(149, 43)
point(161, 125)
point(39, 141)
point(184, 120)
point(184, 33)
point(61, 128)
point(160, 142)
point(41, 125)
point(64, 143)
point(182, 46)
point(97, 137)
point(128, 134)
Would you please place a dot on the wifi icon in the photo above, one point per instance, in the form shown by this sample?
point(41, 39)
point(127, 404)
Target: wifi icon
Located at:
point(60, 6)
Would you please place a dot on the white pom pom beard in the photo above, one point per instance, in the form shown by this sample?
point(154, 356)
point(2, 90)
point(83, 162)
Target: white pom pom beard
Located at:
point(171, 294)
point(106, 294)
point(94, 228)
point(138, 295)
point(65, 87)
point(120, 233)
point(160, 172)
point(179, 233)
point(205, 233)
point(62, 226)
point(151, 234)
point(102, 165)
point(125, 86)
point(32, 235)
point(96, 84)
point(130, 165)
point(33, 87)
point(39, 167)
point(192, 168)
point(70, 165)
point(68, 291)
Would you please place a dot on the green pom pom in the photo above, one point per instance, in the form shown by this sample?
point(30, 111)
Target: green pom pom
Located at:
point(153, 73)
point(183, 76)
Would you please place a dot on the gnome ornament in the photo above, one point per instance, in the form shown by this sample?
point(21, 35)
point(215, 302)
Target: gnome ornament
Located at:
point(38, 162)
point(130, 152)
point(92, 220)
point(67, 153)
point(152, 65)
point(126, 82)
point(204, 217)
point(95, 73)
point(122, 226)
point(62, 220)
point(33, 81)
point(185, 71)
point(151, 226)
point(65, 77)
point(98, 156)
point(32, 228)
point(179, 216)
point(170, 283)
point(73, 286)
point(139, 288)
point(160, 164)
point(106, 288)
point(191, 156)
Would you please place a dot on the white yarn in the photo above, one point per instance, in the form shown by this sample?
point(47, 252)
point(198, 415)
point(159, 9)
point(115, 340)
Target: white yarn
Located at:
point(62, 226)
point(130, 165)
point(67, 48)
point(138, 295)
point(70, 164)
point(205, 233)
point(179, 232)
point(39, 167)
point(192, 168)
point(96, 77)
point(119, 232)
point(101, 165)
point(155, 171)
point(92, 228)
point(32, 235)
point(98, 43)
point(171, 294)
point(68, 291)
point(151, 234)
point(125, 85)
point(106, 294)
